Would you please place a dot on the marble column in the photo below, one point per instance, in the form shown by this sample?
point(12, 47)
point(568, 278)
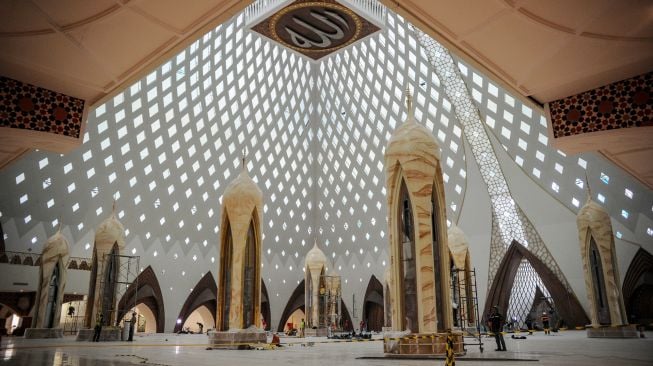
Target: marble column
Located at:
point(418, 230)
point(459, 251)
point(52, 282)
point(239, 282)
point(109, 243)
point(315, 269)
point(599, 257)
point(388, 302)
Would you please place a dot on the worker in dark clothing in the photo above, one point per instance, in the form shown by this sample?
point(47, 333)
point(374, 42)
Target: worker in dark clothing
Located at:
point(529, 324)
point(545, 323)
point(98, 328)
point(132, 325)
point(495, 323)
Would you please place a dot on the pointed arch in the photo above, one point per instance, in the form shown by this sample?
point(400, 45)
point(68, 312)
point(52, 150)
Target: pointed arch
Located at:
point(373, 305)
point(296, 301)
point(224, 276)
point(145, 290)
point(53, 297)
point(599, 296)
point(637, 288)
point(406, 254)
point(251, 290)
point(204, 293)
point(499, 295)
point(21, 303)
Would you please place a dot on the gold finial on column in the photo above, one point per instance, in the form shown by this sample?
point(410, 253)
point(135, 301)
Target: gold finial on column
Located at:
point(243, 158)
point(59, 225)
point(113, 207)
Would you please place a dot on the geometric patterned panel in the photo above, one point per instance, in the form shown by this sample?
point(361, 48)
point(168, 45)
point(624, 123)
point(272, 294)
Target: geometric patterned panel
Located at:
point(29, 107)
point(522, 297)
point(623, 104)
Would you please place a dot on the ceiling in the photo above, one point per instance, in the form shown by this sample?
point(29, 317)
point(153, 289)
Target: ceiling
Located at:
point(542, 51)
point(93, 49)
point(545, 50)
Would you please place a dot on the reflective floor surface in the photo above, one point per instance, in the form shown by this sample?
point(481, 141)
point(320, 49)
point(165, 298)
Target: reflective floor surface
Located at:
point(564, 348)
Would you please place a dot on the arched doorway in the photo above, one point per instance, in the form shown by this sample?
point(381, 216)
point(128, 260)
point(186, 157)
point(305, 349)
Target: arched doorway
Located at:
point(7, 319)
point(373, 305)
point(144, 290)
point(638, 289)
point(345, 319)
point(20, 305)
point(294, 320)
point(201, 315)
point(295, 302)
point(265, 306)
point(146, 321)
point(204, 294)
point(566, 303)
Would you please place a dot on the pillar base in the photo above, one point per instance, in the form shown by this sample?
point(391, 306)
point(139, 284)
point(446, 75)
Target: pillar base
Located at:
point(237, 339)
point(108, 334)
point(422, 344)
point(624, 331)
point(317, 332)
point(40, 333)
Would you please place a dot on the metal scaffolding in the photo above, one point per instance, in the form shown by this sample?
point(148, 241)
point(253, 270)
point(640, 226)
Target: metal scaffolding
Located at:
point(120, 273)
point(465, 296)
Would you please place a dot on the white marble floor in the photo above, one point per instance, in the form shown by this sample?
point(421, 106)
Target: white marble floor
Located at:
point(564, 348)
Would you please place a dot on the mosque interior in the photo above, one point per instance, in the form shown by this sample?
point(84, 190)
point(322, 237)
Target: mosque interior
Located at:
point(230, 171)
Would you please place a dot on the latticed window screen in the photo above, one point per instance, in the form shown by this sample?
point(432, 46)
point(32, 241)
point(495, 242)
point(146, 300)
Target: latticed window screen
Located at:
point(523, 295)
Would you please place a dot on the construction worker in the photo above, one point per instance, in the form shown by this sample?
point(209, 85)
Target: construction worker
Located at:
point(98, 328)
point(529, 324)
point(495, 322)
point(545, 323)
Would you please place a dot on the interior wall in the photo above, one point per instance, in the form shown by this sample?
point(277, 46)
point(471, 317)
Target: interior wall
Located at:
point(19, 278)
point(476, 223)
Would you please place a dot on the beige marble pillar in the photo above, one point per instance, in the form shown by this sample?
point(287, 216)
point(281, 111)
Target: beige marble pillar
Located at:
point(388, 302)
point(602, 275)
point(240, 254)
point(459, 251)
point(412, 160)
point(52, 282)
point(109, 243)
point(314, 269)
